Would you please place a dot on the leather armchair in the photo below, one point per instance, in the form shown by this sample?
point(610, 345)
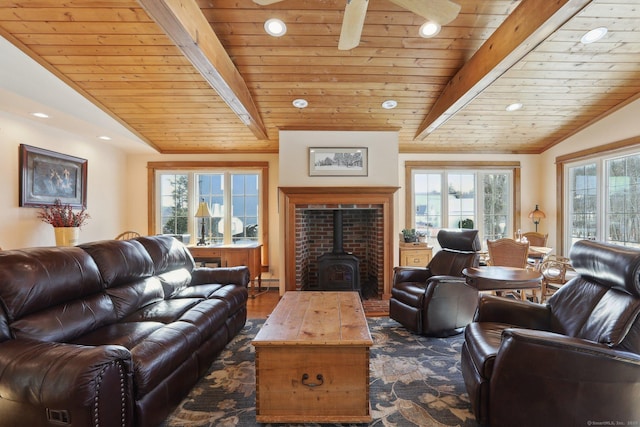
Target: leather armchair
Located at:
point(572, 361)
point(435, 300)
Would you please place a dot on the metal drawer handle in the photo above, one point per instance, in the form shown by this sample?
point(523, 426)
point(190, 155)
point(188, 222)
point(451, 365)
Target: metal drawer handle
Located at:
point(319, 377)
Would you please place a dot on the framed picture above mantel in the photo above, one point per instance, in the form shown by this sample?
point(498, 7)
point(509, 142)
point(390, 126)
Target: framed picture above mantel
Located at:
point(46, 176)
point(333, 161)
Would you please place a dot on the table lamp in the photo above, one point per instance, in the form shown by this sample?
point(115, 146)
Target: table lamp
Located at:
point(536, 215)
point(203, 212)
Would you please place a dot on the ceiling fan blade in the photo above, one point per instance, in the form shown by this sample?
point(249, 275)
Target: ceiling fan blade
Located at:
point(352, 24)
point(440, 11)
point(266, 2)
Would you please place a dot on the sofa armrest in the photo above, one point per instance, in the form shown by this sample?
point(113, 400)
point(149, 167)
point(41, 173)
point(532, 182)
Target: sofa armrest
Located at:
point(587, 381)
point(411, 274)
point(89, 385)
point(523, 314)
point(222, 275)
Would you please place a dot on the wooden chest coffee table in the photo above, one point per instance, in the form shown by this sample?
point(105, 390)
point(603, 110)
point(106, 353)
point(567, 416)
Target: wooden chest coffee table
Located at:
point(312, 360)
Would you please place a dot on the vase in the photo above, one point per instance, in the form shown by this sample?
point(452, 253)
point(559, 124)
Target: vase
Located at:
point(67, 236)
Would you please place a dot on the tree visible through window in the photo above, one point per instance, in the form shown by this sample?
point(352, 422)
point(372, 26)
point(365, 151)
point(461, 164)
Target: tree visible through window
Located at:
point(603, 199)
point(623, 190)
point(235, 193)
point(449, 199)
point(174, 205)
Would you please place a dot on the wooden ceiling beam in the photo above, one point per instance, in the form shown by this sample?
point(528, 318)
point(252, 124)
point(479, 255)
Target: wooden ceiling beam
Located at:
point(525, 28)
point(184, 23)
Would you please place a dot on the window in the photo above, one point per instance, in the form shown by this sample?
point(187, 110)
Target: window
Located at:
point(603, 199)
point(174, 204)
point(234, 192)
point(582, 202)
point(473, 195)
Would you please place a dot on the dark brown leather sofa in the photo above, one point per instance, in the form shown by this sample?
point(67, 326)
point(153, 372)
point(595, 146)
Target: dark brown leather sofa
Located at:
point(574, 361)
point(110, 333)
point(436, 301)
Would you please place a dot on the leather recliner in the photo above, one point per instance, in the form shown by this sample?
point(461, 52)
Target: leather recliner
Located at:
point(574, 361)
point(435, 300)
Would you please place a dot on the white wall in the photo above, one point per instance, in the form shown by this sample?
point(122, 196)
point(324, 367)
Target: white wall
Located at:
point(294, 158)
point(106, 184)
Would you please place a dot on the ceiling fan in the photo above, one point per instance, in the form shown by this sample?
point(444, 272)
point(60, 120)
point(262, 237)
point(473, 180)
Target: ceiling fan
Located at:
point(439, 11)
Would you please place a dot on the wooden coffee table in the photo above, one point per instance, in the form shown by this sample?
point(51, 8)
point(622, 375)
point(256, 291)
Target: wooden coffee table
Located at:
point(312, 360)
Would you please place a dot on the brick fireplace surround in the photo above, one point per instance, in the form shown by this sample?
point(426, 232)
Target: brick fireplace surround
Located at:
point(368, 233)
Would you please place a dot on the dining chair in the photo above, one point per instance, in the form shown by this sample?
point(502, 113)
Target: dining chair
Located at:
point(509, 253)
point(535, 238)
point(127, 235)
point(556, 271)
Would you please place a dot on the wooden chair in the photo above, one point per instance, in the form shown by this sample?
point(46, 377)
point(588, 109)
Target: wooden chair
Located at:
point(126, 235)
point(509, 253)
point(536, 239)
point(556, 271)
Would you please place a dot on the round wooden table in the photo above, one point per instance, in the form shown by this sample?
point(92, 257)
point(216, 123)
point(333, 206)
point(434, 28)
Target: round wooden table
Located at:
point(499, 279)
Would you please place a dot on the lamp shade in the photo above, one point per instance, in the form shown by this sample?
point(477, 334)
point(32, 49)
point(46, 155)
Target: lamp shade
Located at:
point(203, 211)
point(536, 215)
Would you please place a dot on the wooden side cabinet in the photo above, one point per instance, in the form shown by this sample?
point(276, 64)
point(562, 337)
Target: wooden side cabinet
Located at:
point(249, 255)
point(415, 254)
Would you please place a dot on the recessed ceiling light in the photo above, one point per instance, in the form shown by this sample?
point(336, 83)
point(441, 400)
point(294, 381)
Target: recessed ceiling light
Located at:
point(593, 35)
point(389, 104)
point(429, 29)
point(104, 138)
point(300, 103)
point(275, 27)
point(514, 107)
point(40, 115)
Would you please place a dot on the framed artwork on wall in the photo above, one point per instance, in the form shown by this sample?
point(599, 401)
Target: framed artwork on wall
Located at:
point(327, 161)
point(46, 176)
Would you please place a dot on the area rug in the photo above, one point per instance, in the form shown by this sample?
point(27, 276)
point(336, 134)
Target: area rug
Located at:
point(414, 381)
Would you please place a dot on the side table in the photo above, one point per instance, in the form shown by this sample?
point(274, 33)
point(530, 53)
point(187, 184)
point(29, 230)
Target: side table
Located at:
point(415, 254)
point(498, 278)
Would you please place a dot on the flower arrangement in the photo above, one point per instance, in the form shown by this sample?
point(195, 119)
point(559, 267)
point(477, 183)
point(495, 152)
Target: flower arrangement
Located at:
point(409, 235)
point(60, 215)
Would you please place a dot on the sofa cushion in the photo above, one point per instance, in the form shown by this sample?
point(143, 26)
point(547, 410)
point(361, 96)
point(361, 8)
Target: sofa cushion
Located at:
point(37, 278)
point(127, 335)
point(120, 261)
point(65, 322)
point(208, 316)
point(235, 297)
point(128, 298)
point(198, 291)
point(164, 311)
point(163, 352)
point(173, 282)
point(167, 253)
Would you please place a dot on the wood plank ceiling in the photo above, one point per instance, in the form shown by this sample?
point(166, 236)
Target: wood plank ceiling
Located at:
point(117, 56)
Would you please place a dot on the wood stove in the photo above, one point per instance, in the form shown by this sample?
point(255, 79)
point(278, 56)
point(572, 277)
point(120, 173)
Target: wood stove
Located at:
point(338, 270)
